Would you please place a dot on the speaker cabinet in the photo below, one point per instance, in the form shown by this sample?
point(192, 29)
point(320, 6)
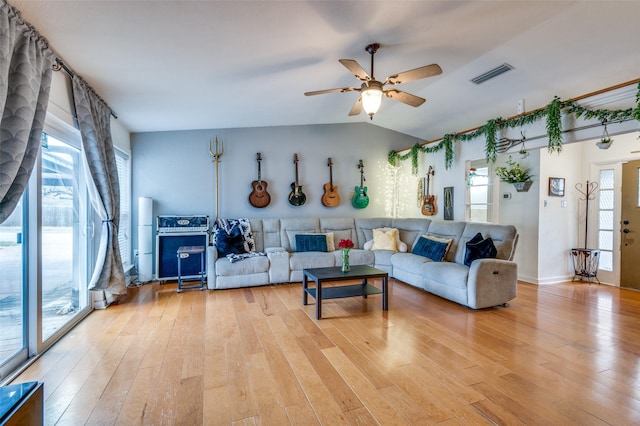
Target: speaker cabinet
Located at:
point(167, 246)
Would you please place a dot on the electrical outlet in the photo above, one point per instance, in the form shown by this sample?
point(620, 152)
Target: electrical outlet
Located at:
point(563, 203)
point(520, 106)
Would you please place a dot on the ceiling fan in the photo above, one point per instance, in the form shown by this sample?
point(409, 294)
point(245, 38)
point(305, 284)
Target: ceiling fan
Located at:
point(371, 90)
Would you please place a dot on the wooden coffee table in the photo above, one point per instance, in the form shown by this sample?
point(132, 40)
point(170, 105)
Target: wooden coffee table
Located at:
point(325, 275)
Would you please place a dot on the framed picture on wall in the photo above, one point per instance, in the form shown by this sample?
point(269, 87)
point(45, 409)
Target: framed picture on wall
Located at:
point(556, 187)
point(448, 203)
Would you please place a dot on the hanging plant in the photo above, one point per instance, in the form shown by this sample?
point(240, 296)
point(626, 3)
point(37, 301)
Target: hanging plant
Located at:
point(491, 149)
point(513, 172)
point(554, 125)
point(447, 141)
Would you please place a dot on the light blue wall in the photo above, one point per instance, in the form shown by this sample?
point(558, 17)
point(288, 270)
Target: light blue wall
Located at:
point(176, 169)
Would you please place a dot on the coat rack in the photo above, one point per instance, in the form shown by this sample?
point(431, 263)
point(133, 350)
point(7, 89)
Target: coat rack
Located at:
point(585, 260)
point(588, 194)
point(216, 159)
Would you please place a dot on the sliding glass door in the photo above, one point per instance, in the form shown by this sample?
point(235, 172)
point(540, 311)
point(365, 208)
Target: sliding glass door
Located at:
point(64, 240)
point(13, 342)
point(45, 256)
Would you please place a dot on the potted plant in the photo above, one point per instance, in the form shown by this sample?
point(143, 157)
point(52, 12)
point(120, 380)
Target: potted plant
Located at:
point(517, 175)
point(605, 142)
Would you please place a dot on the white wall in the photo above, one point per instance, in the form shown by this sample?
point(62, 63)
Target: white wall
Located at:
point(560, 220)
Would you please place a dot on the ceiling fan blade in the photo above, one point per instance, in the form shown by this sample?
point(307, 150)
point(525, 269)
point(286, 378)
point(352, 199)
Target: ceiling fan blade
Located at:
point(355, 68)
point(357, 107)
point(322, 92)
point(404, 97)
point(415, 74)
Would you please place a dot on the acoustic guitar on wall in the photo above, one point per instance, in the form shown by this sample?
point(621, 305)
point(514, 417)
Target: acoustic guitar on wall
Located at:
point(330, 198)
point(296, 196)
point(259, 196)
point(360, 199)
point(429, 206)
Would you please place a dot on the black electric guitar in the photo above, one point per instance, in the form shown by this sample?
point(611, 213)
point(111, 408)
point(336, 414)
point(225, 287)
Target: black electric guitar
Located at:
point(296, 196)
point(360, 199)
point(259, 197)
point(429, 207)
point(330, 198)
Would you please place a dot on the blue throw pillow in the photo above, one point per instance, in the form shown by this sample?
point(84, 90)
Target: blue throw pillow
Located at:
point(231, 242)
point(483, 249)
point(434, 249)
point(306, 242)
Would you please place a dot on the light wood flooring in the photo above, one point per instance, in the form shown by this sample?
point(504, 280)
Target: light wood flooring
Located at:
point(558, 355)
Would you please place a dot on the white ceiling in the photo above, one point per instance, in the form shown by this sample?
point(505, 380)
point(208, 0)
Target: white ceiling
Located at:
point(175, 65)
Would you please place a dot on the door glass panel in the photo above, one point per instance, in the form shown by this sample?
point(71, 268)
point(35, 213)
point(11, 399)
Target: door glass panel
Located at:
point(606, 198)
point(606, 261)
point(606, 179)
point(606, 219)
point(606, 240)
point(63, 243)
point(12, 313)
point(606, 206)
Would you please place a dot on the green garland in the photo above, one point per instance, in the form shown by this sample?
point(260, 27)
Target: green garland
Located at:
point(552, 113)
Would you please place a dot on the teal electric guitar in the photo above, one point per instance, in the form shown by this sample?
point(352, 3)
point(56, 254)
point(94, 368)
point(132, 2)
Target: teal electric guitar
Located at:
point(360, 199)
point(296, 196)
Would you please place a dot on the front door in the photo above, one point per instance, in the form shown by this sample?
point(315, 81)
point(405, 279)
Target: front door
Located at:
point(630, 226)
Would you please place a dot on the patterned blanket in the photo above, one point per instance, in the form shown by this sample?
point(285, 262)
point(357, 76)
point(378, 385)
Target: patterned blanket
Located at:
point(225, 233)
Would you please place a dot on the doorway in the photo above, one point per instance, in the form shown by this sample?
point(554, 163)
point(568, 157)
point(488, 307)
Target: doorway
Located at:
point(630, 225)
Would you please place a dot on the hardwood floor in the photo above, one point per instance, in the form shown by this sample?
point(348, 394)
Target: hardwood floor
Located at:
point(558, 355)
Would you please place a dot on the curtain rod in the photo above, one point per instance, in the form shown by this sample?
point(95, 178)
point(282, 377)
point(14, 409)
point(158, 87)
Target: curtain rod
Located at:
point(60, 65)
point(577, 98)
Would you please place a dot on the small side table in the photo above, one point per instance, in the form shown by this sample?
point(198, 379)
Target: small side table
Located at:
point(585, 263)
point(183, 253)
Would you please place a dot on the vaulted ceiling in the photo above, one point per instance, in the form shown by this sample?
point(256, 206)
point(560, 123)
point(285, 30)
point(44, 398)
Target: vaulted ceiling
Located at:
point(175, 65)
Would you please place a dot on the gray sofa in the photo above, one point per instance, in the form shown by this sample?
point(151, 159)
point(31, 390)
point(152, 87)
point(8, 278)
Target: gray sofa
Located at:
point(486, 283)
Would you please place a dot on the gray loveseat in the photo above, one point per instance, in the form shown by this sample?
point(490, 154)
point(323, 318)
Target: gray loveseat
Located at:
point(485, 283)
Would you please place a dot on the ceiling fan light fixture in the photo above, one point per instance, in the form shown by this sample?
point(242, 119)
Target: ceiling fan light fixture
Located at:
point(371, 99)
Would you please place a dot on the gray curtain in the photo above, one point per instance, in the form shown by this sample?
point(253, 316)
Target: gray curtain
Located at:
point(94, 122)
point(25, 81)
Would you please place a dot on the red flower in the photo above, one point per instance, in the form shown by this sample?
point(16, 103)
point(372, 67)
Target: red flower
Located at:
point(345, 244)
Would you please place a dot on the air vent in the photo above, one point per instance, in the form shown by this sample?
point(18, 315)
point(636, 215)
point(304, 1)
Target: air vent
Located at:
point(492, 73)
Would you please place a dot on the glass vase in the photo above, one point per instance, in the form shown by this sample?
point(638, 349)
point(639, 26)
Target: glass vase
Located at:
point(345, 260)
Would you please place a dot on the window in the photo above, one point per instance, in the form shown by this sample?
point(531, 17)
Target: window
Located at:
point(606, 206)
point(123, 163)
point(479, 206)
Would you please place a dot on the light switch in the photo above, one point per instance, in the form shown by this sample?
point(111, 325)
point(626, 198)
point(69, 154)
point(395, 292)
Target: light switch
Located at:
point(563, 203)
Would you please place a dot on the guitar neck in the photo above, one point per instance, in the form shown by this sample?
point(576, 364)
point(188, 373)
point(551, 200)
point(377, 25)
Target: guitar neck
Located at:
point(296, 173)
point(331, 177)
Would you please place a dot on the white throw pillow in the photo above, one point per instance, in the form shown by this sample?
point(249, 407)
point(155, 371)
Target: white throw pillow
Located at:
point(383, 244)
